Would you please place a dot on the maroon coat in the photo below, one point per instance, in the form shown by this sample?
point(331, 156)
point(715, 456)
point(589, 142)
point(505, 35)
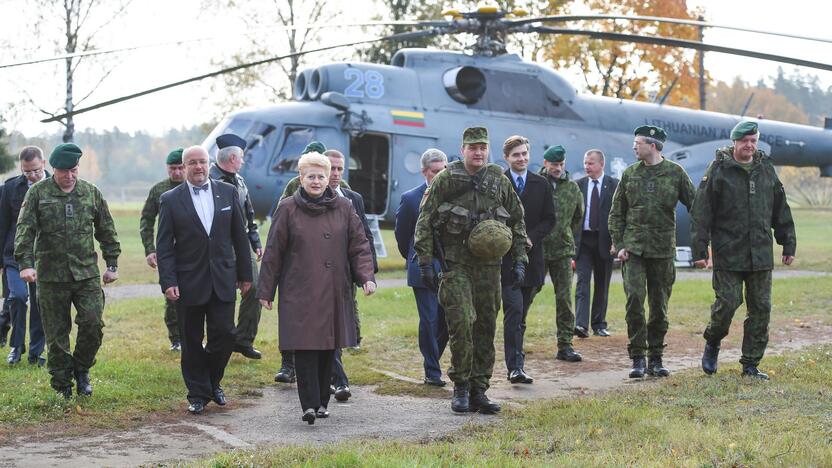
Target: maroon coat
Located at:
point(314, 253)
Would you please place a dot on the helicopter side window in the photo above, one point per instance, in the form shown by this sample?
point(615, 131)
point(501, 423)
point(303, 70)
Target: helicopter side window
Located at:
point(236, 126)
point(262, 137)
point(296, 138)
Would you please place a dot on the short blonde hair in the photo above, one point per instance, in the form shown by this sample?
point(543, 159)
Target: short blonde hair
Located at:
point(314, 159)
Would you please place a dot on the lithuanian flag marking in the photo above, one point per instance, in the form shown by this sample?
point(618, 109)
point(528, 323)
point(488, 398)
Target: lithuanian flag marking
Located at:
point(410, 119)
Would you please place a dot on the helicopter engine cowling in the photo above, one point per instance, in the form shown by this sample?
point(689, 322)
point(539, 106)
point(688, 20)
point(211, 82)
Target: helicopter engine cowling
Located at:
point(464, 84)
point(301, 87)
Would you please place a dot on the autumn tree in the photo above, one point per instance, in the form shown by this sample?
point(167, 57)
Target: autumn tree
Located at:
point(7, 161)
point(762, 102)
point(628, 70)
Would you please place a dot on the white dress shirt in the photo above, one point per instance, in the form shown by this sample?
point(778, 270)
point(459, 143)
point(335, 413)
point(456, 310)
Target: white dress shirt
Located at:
point(204, 205)
point(589, 186)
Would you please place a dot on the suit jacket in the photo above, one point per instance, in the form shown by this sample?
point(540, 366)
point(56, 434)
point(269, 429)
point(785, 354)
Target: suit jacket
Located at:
point(11, 198)
point(539, 215)
point(608, 187)
point(199, 263)
point(405, 230)
point(358, 203)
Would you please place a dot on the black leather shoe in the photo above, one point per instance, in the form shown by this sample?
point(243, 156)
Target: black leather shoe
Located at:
point(710, 358)
point(342, 393)
point(601, 332)
point(14, 356)
point(568, 354)
point(322, 413)
point(219, 396)
point(581, 332)
point(82, 380)
point(176, 347)
point(435, 381)
point(248, 351)
point(65, 392)
point(196, 407)
point(460, 401)
point(285, 375)
point(309, 416)
point(752, 371)
point(639, 368)
point(36, 360)
point(656, 368)
point(478, 402)
point(519, 376)
point(332, 389)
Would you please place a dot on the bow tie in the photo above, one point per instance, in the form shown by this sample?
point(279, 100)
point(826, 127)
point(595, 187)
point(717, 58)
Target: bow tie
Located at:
point(197, 188)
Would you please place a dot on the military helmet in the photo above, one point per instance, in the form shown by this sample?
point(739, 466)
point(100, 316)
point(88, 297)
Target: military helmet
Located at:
point(490, 240)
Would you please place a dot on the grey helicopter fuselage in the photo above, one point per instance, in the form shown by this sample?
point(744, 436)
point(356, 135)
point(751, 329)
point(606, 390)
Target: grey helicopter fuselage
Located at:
point(382, 117)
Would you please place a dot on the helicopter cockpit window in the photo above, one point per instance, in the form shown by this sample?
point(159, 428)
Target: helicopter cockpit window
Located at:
point(261, 137)
point(295, 140)
point(236, 126)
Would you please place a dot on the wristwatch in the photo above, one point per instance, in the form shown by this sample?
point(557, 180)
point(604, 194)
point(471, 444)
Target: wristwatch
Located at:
point(112, 268)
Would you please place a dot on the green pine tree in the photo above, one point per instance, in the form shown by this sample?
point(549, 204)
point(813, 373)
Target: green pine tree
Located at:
point(7, 161)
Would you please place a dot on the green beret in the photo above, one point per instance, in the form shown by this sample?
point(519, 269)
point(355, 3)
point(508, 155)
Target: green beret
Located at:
point(473, 135)
point(314, 146)
point(651, 131)
point(65, 156)
point(555, 153)
point(175, 156)
point(742, 129)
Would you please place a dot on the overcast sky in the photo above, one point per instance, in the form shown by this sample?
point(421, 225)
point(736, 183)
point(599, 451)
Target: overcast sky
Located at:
point(154, 21)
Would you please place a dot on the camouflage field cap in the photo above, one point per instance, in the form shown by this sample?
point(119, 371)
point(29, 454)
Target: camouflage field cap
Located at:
point(651, 131)
point(490, 240)
point(175, 156)
point(555, 153)
point(473, 135)
point(314, 147)
point(65, 156)
point(744, 128)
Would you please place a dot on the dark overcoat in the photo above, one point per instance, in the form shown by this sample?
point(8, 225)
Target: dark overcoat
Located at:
point(314, 253)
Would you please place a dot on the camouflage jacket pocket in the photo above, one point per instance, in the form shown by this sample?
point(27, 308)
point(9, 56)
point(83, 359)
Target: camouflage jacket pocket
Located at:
point(458, 220)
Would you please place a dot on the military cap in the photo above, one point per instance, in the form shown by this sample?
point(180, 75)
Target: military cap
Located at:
point(65, 156)
point(744, 128)
point(555, 153)
point(230, 139)
point(314, 147)
point(175, 156)
point(651, 131)
point(473, 135)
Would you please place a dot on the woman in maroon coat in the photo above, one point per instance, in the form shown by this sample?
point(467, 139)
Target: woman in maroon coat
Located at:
point(316, 250)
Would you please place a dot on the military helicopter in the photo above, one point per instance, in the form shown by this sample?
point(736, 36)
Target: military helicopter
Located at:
point(382, 117)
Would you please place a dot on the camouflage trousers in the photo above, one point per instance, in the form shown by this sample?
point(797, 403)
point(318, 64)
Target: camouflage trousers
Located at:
point(650, 278)
point(470, 296)
point(170, 321)
point(560, 270)
point(728, 288)
point(55, 300)
point(248, 318)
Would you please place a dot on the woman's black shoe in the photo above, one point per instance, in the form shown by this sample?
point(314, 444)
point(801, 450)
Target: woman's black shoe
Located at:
point(309, 416)
point(322, 413)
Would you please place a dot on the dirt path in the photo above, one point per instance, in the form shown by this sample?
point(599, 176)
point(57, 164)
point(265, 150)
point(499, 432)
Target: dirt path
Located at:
point(274, 418)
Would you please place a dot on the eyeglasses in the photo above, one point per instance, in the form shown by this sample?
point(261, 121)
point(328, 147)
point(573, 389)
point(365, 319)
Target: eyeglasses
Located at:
point(33, 173)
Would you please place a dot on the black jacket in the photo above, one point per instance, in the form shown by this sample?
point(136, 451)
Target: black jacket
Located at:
point(539, 215)
point(199, 263)
point(11, 198)
point(358, 204)
point(608, 187)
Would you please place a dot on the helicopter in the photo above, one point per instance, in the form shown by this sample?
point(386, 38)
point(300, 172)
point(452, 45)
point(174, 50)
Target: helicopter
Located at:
point(383, 117)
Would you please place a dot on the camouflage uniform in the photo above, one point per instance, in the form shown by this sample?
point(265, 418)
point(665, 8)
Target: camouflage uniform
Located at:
point(147, 224)
point(643, 221)
point(735, 210)
point(559, 250)
point(55, 234)
point(469, 291)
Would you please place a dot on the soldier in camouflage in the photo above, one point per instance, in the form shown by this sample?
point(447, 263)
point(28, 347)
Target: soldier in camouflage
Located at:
point(54, 246)
point(739, 201)
point(643, 229)
point(467, 193)
point(559, 246)
point(147, 224)
point(228, 164)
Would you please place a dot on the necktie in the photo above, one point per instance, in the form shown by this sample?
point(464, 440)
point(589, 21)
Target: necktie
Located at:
point(197, 188)
point(594, 208)
point(520, 185)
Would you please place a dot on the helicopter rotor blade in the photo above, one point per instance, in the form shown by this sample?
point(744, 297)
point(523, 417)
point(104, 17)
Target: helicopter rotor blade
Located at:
point(394, 37)
point(658, 40)
point(659, 19)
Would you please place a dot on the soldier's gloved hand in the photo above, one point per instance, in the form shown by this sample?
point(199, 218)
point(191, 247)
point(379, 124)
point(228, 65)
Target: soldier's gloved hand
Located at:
point(519, 274)
point(428, 277)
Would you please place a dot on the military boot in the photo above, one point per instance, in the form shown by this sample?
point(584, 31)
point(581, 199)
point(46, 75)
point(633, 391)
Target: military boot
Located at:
point(480, 402)
point(82, 379)
point(459, 403)
point(709, 358)
point(639, 367)
point(65, 392)
point(285, 375)
point(752, 371)
point(656, 368)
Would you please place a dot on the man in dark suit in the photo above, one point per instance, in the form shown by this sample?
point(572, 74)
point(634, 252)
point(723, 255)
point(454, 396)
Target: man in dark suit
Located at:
point(13, 192)
point(594, 259)
point(202, 253)
point(539, 215)
point(433, 330)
